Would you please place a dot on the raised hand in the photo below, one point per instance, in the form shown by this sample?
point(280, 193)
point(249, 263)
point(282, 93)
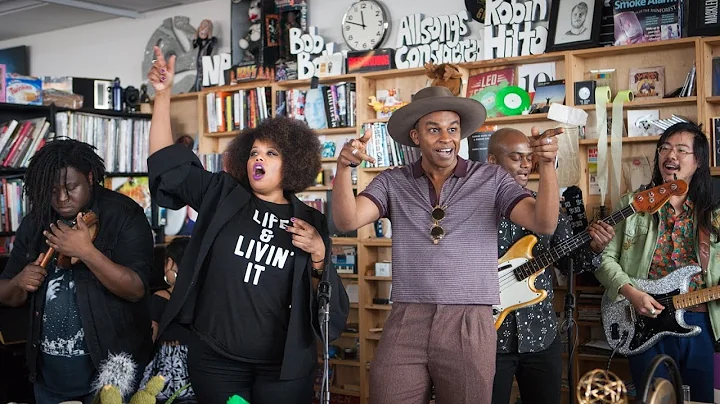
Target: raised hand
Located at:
point(355, 151)
point(162, 72)
point(545, 145)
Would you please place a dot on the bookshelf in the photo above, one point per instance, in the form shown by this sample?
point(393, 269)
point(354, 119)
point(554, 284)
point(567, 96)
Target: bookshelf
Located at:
point(352, 377)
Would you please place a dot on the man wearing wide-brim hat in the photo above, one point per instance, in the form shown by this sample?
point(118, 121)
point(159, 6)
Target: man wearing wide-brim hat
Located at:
point(444, 212)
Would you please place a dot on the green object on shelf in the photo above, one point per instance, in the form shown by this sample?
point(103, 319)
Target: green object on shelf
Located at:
point(237, 400)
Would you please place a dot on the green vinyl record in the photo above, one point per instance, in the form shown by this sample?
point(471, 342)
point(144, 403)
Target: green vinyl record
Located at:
point(512, 100)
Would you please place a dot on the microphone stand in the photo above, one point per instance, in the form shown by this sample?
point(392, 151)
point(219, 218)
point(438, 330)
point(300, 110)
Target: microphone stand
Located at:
point(324, 314)
point(570, 321)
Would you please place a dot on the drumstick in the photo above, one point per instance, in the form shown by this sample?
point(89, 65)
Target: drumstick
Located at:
point(89, 218)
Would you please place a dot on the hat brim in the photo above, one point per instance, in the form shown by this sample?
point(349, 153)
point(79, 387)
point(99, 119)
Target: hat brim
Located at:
point(472, 115)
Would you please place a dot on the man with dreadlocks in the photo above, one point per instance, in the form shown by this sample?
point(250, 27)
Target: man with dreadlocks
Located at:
point(94, 306)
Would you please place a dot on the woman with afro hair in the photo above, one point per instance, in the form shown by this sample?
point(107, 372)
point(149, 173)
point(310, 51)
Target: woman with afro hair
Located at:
point(247, 283)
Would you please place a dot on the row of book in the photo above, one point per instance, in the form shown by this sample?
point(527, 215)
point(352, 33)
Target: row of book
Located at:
point(19, 140)
point(121, 142)
point(212, 162)
point(237, 110)
point(13, 206)
point(385, 150)
point(715, 137)
point(327, 106)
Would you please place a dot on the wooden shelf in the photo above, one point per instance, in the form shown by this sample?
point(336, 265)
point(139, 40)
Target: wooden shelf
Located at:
point(345, 362)
point(329, 160)
point(348, 276)
point(379, 278)
point(516, 119)
point(713, 100)
point(640, 103)
point(625, 139)
point(321, 80)
point(387, 307)
point(243, 85)
point(375, 336)
point(654, 47)
point(714, 171)
point(344, 240)
point(377, 120)
point(377, 242)
point(222, 134)
point(336, 131)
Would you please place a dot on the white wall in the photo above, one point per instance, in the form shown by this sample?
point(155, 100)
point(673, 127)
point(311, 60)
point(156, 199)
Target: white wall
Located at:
point(115, 48)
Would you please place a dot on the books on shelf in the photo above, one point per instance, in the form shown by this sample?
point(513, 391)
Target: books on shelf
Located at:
point(19, 140)
point(327, 106)
point(229, 111)
point(13, 206)
point(385, 150)
point(121, 142)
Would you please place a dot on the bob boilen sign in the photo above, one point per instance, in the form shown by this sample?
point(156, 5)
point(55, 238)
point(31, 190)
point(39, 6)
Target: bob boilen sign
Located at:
point(435, 40)
point(511, 28)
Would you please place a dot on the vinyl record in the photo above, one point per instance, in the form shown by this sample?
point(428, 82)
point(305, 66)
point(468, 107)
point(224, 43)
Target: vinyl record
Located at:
point(512, 100)
point(487, 97)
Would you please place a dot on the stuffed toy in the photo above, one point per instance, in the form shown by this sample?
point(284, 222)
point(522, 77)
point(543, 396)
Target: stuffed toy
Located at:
point(445, 75)
point(251, 42)
point(115, 380)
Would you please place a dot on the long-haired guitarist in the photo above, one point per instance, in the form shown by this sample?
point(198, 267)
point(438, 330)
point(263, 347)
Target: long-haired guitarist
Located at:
point(652, 246)
point(527, 344)
point(98, 303)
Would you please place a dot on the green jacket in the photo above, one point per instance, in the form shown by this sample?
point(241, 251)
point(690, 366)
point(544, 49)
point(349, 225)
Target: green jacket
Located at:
point(630, 252)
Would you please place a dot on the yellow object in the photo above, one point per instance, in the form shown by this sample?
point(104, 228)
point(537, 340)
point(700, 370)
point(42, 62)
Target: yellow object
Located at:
point(147, 394)
point(600, 387)
point(602, 97)
point(616, 143)
point(110, 395)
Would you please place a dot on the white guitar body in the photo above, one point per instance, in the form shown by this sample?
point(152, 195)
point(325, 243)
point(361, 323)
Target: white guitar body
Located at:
point(516, 293)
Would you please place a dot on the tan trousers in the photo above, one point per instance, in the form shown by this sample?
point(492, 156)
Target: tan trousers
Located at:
point(451, 347)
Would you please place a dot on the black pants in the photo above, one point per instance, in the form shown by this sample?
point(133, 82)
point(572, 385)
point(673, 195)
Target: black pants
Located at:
point(215, 378)
point(539, 375)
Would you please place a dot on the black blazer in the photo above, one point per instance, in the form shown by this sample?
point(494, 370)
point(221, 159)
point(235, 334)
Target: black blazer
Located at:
point(177, 178)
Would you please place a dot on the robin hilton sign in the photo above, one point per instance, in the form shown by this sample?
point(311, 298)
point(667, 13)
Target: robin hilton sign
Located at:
point(511, 28)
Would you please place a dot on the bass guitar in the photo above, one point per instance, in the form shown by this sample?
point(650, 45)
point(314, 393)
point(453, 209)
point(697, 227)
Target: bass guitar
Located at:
point(630, 333)
point(517, 269)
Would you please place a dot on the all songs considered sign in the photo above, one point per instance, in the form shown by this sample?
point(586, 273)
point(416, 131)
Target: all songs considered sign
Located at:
point(512, 29)
point(435, 40)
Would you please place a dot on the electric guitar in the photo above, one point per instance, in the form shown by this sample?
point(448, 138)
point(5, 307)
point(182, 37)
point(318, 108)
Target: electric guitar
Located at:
point(517, 269)
point(631, 333)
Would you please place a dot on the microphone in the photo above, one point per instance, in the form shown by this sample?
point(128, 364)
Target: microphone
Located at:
point(323, 293)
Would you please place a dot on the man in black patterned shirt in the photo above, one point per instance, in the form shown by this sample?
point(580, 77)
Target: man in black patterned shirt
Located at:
point(528, 345)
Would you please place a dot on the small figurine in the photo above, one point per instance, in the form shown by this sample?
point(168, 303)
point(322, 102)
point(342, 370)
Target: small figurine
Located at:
point(144, 97)
point(445, 75)
point(205, 43)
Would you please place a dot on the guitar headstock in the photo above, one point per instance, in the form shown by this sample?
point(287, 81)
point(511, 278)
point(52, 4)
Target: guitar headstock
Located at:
point(653, 199)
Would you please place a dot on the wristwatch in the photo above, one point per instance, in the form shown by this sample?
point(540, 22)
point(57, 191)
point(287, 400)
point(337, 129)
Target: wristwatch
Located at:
point(317, 273)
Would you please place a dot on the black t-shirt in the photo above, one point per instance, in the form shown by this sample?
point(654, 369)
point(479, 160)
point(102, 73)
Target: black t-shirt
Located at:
point(65, 363)
point(174, 333)
point(244, 307)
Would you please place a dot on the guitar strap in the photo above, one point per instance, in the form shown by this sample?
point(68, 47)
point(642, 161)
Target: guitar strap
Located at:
point(704, 245)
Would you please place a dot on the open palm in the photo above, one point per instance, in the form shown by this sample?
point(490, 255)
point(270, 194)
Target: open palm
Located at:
point(162, 72)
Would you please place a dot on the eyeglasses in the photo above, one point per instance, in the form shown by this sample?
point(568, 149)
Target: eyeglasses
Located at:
point(436, 231)
point(681, 151)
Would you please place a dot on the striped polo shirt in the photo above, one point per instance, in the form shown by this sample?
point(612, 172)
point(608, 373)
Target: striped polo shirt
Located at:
point(462, 267)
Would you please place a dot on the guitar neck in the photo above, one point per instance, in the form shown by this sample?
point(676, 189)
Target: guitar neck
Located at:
point(547, 258)
point(697, 297)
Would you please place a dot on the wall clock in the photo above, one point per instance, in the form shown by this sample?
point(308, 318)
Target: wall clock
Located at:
point(365, 25)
